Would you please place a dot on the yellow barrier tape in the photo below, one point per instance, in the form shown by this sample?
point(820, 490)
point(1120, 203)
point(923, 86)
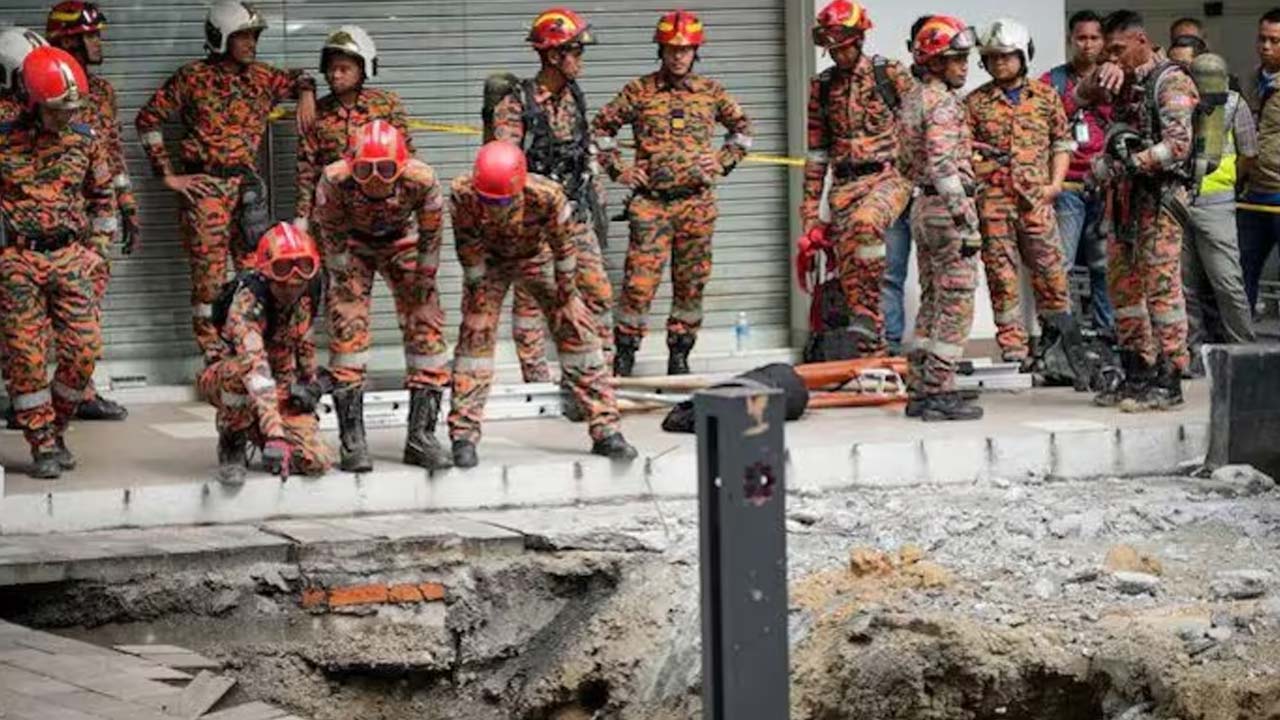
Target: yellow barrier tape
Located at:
point(1252, 207)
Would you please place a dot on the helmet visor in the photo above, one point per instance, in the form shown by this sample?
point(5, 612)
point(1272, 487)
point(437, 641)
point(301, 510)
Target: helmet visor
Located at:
point(964, 41)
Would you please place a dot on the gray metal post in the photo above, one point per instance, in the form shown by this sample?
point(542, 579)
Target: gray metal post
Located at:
point(741, 493)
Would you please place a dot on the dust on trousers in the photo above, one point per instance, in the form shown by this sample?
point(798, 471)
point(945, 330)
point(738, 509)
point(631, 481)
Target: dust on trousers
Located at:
point(351, 268)
point(527, 322)
point(1144, 278)
point(681, 231)
point(1014, 230)
point(222, 384)
point(861, 212)
point(947, 284)
point(43, 294)
point(213, 240)
point(577, 343)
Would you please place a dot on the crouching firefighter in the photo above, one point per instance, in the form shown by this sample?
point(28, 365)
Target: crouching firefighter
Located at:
point(512, 227)
point(547, 117)
point(381, 212)
point(1144, 171)
point(263, 382)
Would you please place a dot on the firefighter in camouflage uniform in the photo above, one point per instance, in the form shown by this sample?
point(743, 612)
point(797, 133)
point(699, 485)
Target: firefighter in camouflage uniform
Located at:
point(547, 116)
point(513, 227)
point(348, 61)
point(265, 382)
point(58, 208)
point(381, 212)
point(1144, 171)
point(672, 114)
point(853, 135)
point(1023, 147)
point(936, 148)
point(223, 103)
point(76, 27)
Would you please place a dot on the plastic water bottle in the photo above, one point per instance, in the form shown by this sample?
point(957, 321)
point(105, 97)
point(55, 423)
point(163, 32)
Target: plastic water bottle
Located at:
point(741, 333)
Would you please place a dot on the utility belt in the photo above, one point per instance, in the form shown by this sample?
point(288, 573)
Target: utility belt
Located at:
point(672, 194)
point(849, 170)
point(51, 242)
point(374, 238)
point(931, 191)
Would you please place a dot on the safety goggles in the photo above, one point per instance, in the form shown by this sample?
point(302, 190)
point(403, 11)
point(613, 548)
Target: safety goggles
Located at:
point(282, 269)
point(365, 170)
point(495, 201)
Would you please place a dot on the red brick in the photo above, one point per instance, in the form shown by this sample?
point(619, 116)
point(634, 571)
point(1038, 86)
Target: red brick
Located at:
point(314, 597)
point(432, 591)
point(404, 594)
point(372, 594)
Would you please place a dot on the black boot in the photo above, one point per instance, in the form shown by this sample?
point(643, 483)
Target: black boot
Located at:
point(949, 406)
point(464, 454)
point(615, 447)
point(678, 349)
point(232, 458)
point(66, 460)
point(1116, 382)
point(421, 447)
point(624, 361)
point(1062, 327)
point(1162, 391)
point(100, 408)
point(348, 403)
point(45, 465)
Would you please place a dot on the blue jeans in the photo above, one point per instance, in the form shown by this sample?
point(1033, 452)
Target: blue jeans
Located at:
point(1075, 213)
point(1258, 232)
point(897, 241)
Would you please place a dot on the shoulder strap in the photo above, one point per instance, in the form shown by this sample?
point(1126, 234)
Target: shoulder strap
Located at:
point(535, 119)
point(579, 99)
point(884, 84)
point(1058, 78)
point(825, 79)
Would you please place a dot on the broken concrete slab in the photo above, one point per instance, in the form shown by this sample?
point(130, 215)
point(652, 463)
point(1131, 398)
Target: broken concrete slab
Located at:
point(201, 695)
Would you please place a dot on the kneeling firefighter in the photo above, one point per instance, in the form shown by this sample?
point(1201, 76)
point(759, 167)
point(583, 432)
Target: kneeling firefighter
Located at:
point(267, 381)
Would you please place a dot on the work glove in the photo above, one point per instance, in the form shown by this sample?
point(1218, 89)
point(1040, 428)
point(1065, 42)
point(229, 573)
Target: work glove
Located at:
point(807, 249)
point(130, 234)
point(276, 457)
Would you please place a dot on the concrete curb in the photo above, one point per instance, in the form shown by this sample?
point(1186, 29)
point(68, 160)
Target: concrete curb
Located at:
point(1112, 451)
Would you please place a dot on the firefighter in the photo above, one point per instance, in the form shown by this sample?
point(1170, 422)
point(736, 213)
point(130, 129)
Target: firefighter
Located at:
point(1143, 169)
point(380, 212)
point(57, 205)
point(936, 148)
point(672, 114)
point(547, 116)
point(1024, 148)
point(348, 61)
point(265, 382)
point(513, 227)
point(853, 134)
point(15, 44)
point(223, 103)
point(76, 27)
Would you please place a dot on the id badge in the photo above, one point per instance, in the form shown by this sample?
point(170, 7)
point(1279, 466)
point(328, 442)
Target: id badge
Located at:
point(1081, 131)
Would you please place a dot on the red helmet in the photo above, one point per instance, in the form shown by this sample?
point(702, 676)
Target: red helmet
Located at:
point(500, 171)
point(53, 78)
point(286, 252)
point(680, 28)
point(942, 36)
point(72, 18)
point(380, 151)
point(558, 27)
point(839, 23)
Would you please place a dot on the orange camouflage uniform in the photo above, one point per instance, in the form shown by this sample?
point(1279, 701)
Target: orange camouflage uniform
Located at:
point(267, 348)
point(527, 323)
point(675, 214)
point(10, 108)
point(855, 136)
point(526, 243)
point(334, 133)
point(399, 237)
point(1015, 144)
point(224, 110)
point(57, 207)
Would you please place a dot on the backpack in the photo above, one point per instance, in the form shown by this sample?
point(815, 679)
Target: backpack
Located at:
point(829, 318)
point(885, 88)
point(1208, 129)
point(262, 291)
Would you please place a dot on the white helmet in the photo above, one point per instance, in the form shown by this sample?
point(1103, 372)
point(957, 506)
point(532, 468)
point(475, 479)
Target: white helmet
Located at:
point(15, 44)
point(227, 17)
point(1006, 36)
point(354, 41)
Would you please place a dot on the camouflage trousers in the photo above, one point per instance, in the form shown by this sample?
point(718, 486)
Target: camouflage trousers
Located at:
point(1144, 278)
point(43, 294)
point(947, 284)
point(211, 236)
point(574, 329)
point(861, 212)
point(528, 327)
point(680, 230)
point(1010, 234)
point(222, 384)
point(351, 270)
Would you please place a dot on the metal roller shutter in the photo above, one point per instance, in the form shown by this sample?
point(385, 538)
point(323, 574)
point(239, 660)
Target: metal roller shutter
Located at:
point(436, 56)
